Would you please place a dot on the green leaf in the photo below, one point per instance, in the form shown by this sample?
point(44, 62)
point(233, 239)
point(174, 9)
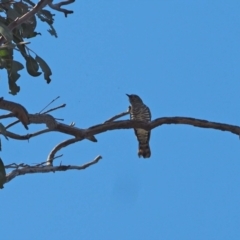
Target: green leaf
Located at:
point(2, 174)
point(12, 14)
point(20, 7)
point(6, 61)
point(13, 76)
point(6, 32)
point(17, 66)
point(4, 52)
point(29, 27)
point(32, 66)
point(45, 68)
point(3, 131)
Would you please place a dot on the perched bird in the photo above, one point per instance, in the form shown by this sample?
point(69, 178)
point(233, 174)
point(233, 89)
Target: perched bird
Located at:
point(139, 111)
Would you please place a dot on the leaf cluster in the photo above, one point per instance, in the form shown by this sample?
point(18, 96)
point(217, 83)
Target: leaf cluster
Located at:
point(15, 40)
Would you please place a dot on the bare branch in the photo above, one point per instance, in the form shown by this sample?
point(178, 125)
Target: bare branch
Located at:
point(57, 6)
point(47, 169)
point(127, 124)
point(119, 115)
point(9, 115)
point(27, 136)
point(58, 147)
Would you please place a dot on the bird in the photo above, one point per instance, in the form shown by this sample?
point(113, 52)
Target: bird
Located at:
point(139, 111)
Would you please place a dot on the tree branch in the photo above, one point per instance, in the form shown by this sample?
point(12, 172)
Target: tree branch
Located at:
point(57, 6)
point(127, 124)
point(58, 147)
point(47, 169)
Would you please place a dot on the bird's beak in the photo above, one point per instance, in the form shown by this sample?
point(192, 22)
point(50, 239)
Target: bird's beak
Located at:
point(128, 95)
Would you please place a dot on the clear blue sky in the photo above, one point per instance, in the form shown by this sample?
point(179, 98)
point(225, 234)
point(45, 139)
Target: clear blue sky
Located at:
point(182, 58)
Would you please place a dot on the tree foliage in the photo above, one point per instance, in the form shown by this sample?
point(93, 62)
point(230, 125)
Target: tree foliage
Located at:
point(18, 23)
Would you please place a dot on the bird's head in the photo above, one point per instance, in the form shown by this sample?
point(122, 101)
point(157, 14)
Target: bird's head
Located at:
point(134, 98)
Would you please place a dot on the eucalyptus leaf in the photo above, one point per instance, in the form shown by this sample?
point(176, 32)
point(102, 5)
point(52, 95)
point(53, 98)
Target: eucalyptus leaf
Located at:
point(45, 68)
point(12, 14)
point(2, 174)
point(32, 66)
point(17, 66)
point(20, 7)
point(29, 27)
point(13, 76)
point(4, 52)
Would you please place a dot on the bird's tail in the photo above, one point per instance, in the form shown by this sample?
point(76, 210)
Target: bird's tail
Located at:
point(144, 150)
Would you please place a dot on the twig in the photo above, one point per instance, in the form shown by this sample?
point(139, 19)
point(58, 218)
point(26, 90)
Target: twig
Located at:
point(47, 169)
point(118, 116)
point(53, 109)
point(49, 104)
point(57, 6)
point(12, 124)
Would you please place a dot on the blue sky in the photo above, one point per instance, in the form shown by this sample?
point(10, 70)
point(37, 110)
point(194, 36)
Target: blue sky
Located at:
point(182, 58)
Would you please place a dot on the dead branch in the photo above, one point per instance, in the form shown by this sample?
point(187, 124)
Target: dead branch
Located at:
point(46, 169)
point(127, 124)
point(27, 136)
point(58, 147)
point(57, 6)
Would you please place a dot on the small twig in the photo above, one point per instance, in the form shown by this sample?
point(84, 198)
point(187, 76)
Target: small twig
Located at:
point(119, 115)
point(49, 104)
point(57, 6)
point(12, 124)
point(53, 109)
